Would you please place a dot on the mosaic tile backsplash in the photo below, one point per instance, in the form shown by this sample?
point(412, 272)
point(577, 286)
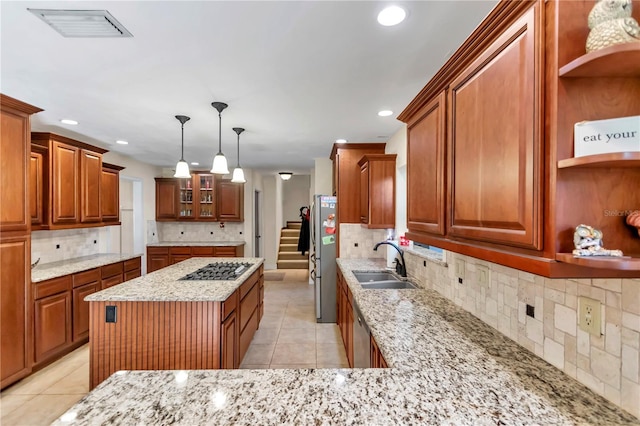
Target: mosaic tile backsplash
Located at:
point(53, 246)
point(608, 364)
point(199, 232)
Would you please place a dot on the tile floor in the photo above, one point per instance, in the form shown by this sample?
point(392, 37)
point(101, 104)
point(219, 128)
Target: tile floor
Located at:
point(288, 337)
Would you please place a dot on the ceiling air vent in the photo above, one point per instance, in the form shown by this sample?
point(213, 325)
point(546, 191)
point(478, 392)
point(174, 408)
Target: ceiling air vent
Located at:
point(82, 23)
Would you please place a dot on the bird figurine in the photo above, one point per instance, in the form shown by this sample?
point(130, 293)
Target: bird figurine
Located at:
point(611, 23)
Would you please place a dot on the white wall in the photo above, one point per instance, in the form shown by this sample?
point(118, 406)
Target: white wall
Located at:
point(295, 194)
point(270, 228)
point(323, 176)
point(398, 145)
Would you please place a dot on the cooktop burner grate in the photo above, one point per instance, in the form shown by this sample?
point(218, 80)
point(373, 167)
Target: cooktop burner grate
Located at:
point(224, 271)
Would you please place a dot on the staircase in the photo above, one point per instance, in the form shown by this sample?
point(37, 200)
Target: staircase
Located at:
point(288, 255)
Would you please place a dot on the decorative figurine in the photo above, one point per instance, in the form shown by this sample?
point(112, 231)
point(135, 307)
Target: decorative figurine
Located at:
point(588, 242)
point(634, 220)
point(611, 23)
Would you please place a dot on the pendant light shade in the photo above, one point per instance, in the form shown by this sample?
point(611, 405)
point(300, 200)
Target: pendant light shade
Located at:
point(285, 175)
point(238, 173)
point(182, 168)
point(219, 161)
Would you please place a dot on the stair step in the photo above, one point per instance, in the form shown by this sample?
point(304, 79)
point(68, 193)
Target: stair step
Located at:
point(289, 247)
point(289, 240)
point(293, 264)
point(294, 225)
point(290, 232)
point(292, 255)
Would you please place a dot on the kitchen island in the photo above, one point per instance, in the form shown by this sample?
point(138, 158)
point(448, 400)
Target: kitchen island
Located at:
point(163, 322)
point(446, 367)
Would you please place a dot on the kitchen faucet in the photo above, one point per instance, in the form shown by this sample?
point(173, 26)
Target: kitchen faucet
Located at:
point(400, 269)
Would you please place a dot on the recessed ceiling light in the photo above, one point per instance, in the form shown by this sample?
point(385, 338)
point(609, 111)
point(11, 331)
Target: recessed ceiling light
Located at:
point(341, 141)
point(70, 122)
point(195, 164)
point(122, 142)
point(385, 113)
point(391, 15)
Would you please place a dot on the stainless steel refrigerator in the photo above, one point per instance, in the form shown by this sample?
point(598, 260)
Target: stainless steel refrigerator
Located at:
point(323, 238)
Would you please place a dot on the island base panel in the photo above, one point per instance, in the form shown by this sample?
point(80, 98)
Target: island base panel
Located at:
point(153, 336)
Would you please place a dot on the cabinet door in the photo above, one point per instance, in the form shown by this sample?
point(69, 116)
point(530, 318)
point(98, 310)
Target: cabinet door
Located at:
point(157, 261)
point(64, 175)
point(206, 197)
point(81, 310)
point(495, 141)
point(364, 193)
point(52, 325)
point(166, 199)
point(36, 175)
point(224, 251)
point(374, 354)
point(90, 185)
point(229, 343)
point(349, 333)
point(175, 258)
point(110, 190)
point(187, 197)
point(426, 169)
point(14, 143)
point(230, 201)
point(15, 347)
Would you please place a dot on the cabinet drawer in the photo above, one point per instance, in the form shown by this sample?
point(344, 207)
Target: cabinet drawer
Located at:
point(248, 306)
point(112, 270)
point(111, 281)
point(132, 264)
point(229, 305)
point(157, 250)
point(247, 334)
point(180, 250)
point(250, 282)
point(86, 277)
point(51, 287)
point(202, 251)
point(224, 251)
point(129, 275)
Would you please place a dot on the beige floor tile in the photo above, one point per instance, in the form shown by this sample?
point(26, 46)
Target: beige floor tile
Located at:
point(75, 383)
point(271, 321)
point(297, 335)
point(254, 366)
point(40, 410)
point(8, 403)
point(292, 322)
point(330, 353)
point(322, 364)
point(328, 333)
point(291, 366)
point(259, 354)
point(266, 335)
point(294, 353)
point(43, 379)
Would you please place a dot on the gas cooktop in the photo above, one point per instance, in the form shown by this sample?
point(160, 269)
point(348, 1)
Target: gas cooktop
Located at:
point(223, 271)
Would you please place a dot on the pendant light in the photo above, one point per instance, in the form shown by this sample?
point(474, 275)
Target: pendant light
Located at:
point(182, 168)
point(285, 175)
point(238, 173)
point(219, 161)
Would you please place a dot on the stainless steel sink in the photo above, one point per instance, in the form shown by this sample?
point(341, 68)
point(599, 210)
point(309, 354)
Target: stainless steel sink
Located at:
point(374, 276)
point(390, 284)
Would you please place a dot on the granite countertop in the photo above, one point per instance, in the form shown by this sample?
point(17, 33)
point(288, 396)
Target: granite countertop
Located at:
point(197, 243)
point(163, 285)
point(52, 270)
point(446, 367)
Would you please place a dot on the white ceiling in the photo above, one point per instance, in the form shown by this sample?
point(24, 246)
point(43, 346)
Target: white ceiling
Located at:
point(297, 74)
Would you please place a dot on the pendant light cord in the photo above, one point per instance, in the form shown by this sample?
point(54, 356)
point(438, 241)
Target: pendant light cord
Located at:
point(238, 150)
point(220, 133)
point(182, 150)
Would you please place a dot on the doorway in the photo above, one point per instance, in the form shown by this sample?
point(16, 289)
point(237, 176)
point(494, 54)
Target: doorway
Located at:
point(256, 224)
point(131, 216)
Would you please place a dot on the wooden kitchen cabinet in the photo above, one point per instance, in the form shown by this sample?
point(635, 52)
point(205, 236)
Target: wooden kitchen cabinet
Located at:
point(178, 254)
point(37, 185)
point(112, 274)
point(207, 207)
point(376, 358)
point(167, 207)
point(157, 258)
point(53, 318)
point(230, 198)
point(65, 199)
point(345, 316)
point(160, 257)
point(132, 268)
point(378, 191)
point(81, 310)
point(426, 177)
point(16, 299)
point(110, 193)
point(229, 343)
point(90, 186)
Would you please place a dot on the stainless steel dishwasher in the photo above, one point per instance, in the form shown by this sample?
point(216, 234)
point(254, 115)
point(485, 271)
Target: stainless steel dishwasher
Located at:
point(361, 341)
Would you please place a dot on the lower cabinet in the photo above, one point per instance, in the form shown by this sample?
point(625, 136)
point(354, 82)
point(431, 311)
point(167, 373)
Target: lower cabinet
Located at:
point(81, 310)
point(345, 315)
point(157, 258)
point(112, 275)
point(377, 360)
point(52, 319)
point(160, 257)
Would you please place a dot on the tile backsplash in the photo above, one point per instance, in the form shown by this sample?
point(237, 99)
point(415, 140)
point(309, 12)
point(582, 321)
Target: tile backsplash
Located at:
point(53, 246)
point(199, 232)
point(357, 242)
point(608, 364)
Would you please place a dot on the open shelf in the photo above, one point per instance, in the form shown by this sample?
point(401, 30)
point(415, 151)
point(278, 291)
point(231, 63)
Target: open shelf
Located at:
point(616, 159)
point(622, 60)
point(627, 263)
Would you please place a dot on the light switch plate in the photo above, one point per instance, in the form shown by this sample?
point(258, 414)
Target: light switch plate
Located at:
point(483, 274)
point(590, 316)
point(460, 268)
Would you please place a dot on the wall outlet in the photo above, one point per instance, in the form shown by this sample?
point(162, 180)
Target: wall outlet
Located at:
point(483, 274)
point(460, 268)
point(589, 318)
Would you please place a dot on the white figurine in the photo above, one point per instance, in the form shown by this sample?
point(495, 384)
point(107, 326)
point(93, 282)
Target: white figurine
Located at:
point(611, 23)
point(588, 242)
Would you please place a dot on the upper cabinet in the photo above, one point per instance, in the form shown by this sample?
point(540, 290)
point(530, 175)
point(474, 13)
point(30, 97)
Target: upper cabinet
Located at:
point(66, 185)
point(378, 190)
point(490, 167)
point(204, 197)
point(110, 190)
